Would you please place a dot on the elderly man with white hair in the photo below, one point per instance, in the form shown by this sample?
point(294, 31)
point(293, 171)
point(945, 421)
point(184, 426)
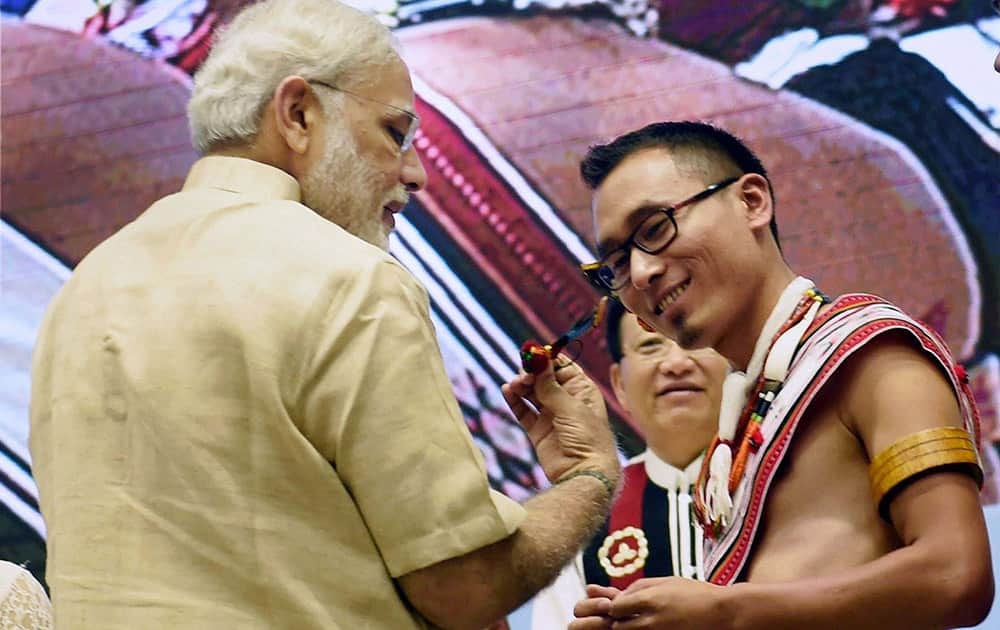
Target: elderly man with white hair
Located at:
point(240, 417)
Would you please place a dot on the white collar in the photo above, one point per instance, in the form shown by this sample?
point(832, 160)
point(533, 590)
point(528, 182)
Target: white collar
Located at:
point(735, 389)
point(780, 314)
point(668, 476)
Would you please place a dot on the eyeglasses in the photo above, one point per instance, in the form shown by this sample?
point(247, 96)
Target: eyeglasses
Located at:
point(653, 235)
point(403, 140)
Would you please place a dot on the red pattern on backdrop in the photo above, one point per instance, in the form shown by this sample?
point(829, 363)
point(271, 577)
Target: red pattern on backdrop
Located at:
point(499, 233)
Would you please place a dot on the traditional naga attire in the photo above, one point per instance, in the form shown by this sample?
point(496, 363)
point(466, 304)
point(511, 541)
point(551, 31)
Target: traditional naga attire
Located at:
point(651, 532)
point(796, 354)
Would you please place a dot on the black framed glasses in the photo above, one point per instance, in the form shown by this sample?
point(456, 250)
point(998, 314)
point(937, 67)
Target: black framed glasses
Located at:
point(404, 140)
point(653, 235)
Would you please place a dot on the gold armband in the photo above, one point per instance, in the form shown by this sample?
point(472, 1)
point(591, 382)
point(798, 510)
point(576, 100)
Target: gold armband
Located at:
point(948, 448)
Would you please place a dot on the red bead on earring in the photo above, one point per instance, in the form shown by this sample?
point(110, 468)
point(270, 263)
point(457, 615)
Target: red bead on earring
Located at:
point(534, 357)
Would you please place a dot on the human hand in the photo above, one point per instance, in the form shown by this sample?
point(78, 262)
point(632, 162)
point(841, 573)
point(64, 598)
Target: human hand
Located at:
point(565, 418)
point(592, 613)
point(672, 603)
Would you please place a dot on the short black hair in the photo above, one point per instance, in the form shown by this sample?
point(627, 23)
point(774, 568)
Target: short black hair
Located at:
point(613, 318)
point(690, 137)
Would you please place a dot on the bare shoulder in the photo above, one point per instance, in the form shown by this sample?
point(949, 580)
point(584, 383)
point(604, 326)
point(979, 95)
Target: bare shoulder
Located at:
point(891, 388)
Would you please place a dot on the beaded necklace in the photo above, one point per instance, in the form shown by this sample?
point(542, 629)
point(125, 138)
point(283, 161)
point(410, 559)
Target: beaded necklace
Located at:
point(743, 411)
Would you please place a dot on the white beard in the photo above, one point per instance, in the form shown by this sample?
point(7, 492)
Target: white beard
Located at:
point(345, 189)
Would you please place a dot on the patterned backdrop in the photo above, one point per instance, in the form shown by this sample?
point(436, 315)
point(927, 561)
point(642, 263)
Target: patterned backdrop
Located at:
point(877, 119)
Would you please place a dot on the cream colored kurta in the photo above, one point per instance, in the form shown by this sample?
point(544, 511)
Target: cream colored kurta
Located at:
point(240, 419)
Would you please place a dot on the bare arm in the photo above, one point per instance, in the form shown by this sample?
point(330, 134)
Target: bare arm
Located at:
point(570, 433)
point(941, 576)
point(480, 587)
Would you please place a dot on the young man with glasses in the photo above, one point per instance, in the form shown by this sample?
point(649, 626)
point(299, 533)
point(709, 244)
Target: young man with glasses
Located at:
point(240, 417)
point(841, 489)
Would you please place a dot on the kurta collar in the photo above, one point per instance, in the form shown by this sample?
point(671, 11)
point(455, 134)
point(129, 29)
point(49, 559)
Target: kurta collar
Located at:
point(670, 477)
point(240, 175)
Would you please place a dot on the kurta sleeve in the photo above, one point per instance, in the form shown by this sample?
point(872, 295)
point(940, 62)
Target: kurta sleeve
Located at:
point(379, 406)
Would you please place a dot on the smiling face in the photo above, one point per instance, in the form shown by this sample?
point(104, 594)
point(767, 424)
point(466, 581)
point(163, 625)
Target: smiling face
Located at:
point(673, 394)
point(358, 177)
point(701, 289)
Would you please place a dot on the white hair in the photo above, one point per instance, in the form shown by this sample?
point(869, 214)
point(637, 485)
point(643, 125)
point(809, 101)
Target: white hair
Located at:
point(269, 41)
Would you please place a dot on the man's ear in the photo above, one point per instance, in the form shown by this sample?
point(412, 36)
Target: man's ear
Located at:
point(616, 384)
point(756, 196)
point(296, 112)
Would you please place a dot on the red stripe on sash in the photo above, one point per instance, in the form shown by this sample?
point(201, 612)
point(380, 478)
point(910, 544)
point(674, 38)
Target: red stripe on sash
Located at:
point(729, 566)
